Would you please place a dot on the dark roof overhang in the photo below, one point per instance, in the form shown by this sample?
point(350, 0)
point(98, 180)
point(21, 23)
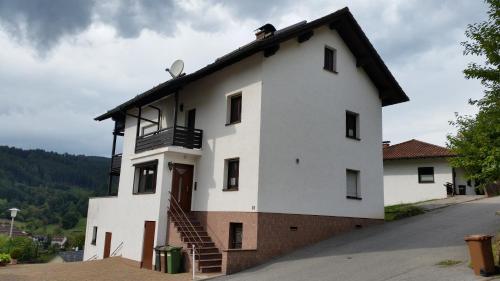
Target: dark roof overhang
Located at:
point(342, 21)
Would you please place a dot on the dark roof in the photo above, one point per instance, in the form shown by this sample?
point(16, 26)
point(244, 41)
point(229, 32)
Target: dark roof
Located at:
point(342, 21)
point(414, 149)
point(72, 256)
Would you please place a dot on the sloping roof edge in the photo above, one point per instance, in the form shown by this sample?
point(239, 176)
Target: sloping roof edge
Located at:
point(342, 20)
point(415, 149)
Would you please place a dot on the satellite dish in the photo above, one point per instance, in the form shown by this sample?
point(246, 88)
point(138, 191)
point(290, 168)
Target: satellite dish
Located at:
point(176, 69)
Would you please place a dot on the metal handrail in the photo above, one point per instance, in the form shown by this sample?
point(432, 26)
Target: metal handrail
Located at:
point(175, 207)
point(116, 249)
point(94, 257)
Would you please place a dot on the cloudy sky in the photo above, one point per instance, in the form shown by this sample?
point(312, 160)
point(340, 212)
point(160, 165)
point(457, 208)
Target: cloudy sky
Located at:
point(63, 62)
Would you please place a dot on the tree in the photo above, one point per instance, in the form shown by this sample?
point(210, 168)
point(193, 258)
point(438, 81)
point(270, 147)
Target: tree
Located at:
point(477, 142)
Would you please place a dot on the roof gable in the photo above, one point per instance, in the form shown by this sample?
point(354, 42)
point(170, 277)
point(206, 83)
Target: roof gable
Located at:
point(342, 21)
point(414, 149)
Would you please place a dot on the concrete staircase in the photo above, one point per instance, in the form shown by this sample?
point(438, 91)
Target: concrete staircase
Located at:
point(208, 257)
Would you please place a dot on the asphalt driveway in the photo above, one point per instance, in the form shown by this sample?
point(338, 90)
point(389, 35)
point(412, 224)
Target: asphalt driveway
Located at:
point(407, 250)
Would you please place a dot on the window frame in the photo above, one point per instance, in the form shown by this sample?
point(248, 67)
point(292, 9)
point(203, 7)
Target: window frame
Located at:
point(330, 63)
point(352, 114)
point(357, 196)
point(420, 173)
point(138, 178)
point(229, 114)
point(94, 236)
point(233, 244)
point(227, 169)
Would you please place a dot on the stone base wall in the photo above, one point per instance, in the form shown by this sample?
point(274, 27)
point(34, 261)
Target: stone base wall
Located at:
point(268, 235)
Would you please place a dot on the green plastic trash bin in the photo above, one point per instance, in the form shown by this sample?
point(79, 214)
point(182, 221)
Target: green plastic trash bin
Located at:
point(174, 259)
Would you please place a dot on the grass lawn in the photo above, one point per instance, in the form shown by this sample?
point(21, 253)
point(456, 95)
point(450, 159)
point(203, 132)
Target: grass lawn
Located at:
point(396, 212)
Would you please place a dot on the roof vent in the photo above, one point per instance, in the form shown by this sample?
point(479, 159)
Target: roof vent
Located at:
point(386, 143)
point(264, 31)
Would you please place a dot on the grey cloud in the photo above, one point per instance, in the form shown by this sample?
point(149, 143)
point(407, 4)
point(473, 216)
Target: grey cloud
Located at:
point(130, 17)
point(41, 22)
point(429, 24)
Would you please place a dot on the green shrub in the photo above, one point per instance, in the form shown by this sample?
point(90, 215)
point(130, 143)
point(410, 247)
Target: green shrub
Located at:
point(16, 253)
point(4, 258)
point(397, 212)
point(76, 240)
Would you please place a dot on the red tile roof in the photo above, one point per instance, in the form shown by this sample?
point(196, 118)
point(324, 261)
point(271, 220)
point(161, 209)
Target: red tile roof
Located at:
point(415, 149)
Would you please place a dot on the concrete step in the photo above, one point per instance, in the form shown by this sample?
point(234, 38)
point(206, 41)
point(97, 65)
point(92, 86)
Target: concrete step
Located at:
point(211, 268)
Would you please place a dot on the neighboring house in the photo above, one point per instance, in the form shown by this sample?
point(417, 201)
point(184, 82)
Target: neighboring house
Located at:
point(60, 241)
point(272, 147)
point(416, 171)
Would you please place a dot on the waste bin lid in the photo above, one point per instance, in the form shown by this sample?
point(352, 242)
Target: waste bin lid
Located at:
point(478, 237)
point(173, 248)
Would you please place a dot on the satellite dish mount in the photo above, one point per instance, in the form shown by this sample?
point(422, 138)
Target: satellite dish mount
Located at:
point(176, 69)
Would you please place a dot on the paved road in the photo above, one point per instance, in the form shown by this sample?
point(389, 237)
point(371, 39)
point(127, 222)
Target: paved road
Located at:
point(403, 250)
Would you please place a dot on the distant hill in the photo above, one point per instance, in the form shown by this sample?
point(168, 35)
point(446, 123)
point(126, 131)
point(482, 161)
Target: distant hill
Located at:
point(48, 187)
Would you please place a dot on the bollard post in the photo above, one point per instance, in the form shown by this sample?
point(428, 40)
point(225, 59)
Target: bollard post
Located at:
point(193, 267)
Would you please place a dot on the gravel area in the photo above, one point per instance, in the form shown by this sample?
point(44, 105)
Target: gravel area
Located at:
point(112, 269)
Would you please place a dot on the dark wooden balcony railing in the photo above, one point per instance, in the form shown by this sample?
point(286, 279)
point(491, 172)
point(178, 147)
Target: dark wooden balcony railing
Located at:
point(116, 164)
point(176, 136)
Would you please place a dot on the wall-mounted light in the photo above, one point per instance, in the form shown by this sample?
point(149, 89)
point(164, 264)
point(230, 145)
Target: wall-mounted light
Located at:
point(170, 165)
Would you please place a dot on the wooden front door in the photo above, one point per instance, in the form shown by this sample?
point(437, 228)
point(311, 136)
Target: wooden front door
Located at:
point(182, 184)
point(107, 245)
point(148, 244)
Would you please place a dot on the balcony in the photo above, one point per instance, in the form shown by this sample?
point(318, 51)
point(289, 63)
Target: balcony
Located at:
point(173, 136)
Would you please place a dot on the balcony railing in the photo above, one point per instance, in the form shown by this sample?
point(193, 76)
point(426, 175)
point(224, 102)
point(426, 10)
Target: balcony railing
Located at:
point(116, 164)
point(173, 136)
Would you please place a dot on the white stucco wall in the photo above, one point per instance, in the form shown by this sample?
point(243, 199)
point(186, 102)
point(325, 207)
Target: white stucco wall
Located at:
point(401, 180)
point(303, 116)
point(221, 141)
point(124, 215)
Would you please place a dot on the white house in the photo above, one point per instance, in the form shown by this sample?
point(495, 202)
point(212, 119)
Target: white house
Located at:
point(272, 147)
point(417, 171)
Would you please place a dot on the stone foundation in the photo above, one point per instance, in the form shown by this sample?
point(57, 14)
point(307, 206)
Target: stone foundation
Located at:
point(268, 235)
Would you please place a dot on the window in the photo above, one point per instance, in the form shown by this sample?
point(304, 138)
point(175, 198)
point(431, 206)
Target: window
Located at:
point(351, 125)
point(330, 59)
point(235, 235)
point(234, 109)
point(94, 236)
point(145, 177)
point(149, 129)
point(232, 172)
point(426, 174)
point(352, 184)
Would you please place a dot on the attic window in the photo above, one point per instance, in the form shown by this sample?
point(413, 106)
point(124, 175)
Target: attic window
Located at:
point(330, 59)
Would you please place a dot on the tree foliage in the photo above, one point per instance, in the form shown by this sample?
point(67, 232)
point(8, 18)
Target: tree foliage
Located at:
point(477, 142)
point(48, 187)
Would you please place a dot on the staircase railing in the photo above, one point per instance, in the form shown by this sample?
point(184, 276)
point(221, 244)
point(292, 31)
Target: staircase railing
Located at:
point(116, 249)
point(94, 257)
point(180, 216)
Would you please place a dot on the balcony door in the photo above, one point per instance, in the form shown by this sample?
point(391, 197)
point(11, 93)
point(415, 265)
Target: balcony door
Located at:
point(191, 117)
point(182, 185)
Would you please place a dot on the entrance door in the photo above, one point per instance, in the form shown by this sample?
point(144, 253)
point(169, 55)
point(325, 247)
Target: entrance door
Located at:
point(148, 244)
point(182, 184)
point(107, 245)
